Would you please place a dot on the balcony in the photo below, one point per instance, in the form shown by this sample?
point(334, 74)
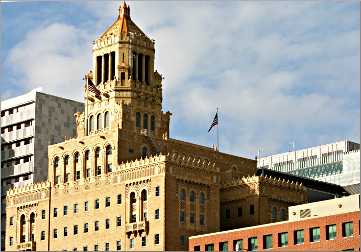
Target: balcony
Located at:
point(26, 246)
point(18, 134)
point(137, 227)
point(24, 150)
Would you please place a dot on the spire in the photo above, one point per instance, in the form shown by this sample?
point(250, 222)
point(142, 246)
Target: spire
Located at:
point(124, 10)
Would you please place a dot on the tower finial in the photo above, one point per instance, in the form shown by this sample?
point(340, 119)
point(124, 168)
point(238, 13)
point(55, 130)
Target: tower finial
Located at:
point(124, 10)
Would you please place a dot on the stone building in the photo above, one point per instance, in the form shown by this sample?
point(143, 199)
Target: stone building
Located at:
point(123, 183)
point(34, 119)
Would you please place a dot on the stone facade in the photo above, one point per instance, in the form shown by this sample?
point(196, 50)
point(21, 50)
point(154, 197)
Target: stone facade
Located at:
point(123, 183)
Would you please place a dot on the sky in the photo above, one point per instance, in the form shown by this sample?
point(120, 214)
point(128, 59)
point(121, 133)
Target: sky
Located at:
point(279, 71)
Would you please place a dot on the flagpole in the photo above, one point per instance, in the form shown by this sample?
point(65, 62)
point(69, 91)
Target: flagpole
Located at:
point(217, 131)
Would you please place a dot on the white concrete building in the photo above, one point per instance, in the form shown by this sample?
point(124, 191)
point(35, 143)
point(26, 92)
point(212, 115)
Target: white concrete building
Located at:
point(29, 123)
point(337, 163)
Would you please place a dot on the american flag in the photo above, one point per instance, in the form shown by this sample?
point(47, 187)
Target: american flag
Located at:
point(92, 88)
point(215, 122)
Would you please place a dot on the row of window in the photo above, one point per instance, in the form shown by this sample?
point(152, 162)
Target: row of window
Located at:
point(16, 127)
point(239, 211)
point(282, 238)
point(138, 120)
point(13, 145)
point(100, 121)
point(16, 161)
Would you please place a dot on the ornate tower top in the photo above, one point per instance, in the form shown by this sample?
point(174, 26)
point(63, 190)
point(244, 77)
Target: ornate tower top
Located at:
point(124, 10)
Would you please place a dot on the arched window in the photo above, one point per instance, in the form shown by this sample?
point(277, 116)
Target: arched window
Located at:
point(86, 155)
point(192, 196)
point(97, 162)
point(66, 163)
point(133, 208)
point(76, 166)
point(76, 157)
point(283, 214)
point(202, 198)
point(144, 152)
point(182, 206)
point(56, 162)
point(66, 160)
point(22, 228)
point(91, 123)
point(152, 123)
point(137, 120)
point(108, 156)
point(145, 121)
point(106, 119)
point(143, 204)
point(86, 163)
point(182, 195)
point(274, 214)
point(99, 121)
point(32, 227)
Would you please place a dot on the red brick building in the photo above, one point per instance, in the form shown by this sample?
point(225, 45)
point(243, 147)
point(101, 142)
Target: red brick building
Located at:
point(308, 228)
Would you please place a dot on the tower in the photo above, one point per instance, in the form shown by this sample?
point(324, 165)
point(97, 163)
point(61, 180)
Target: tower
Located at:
point(122, 91)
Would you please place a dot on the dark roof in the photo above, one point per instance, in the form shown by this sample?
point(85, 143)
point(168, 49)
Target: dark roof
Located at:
point(353, 189)
point(307, 182)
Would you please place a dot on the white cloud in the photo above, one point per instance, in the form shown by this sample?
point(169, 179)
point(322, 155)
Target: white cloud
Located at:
point(280, 71)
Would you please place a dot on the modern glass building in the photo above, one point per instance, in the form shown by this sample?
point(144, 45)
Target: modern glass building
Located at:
point(337, 163)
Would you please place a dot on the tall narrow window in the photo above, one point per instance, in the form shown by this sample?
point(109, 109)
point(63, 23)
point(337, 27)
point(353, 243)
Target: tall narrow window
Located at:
point(99, 69)
point(138, 120)
point(152, 123)
point(32, 226)
point(145, 121)
point(99, 121)
point(108, 157)
point(56, 172)
point(106, 67)
point(182, 206)
point(146, 69)
point(122, 78)
point(144, 204)
point(112, 66)
point(202, 201)
point(133, 208)
point(134, 66)
point(144, 152)
point(66, 163)
point(76, 166)
point(106, 119)
point(274, 214)
point(91, 123)
point(97, 161)
point(22, 228)
point(140, 67)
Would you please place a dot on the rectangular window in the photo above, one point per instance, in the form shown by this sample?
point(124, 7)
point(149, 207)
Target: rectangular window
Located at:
point(228, 213)
point(85, 248)
point(157, 191)
point(99, 170)
point(223, 246)
point(331, 232)
point(86, 227)
point(210, 247)
point(75, 229)
point(252, 243)
point(75, 209)
point(11, 241)
point(156, 239)
point(283, 239)
point(42, 235)
point(182, 240)
point(239, 211)
point(77, 175)
point(156, 214)
point(197, 248)
point(299, 236)
point(107, 201)
point(96, 204)
point(192, 218)
point(65, 210)
point(96, 225)
point(315, 234)
point(65, 231)
point(347, 229)
point(119, 221)
point(119, 245)
point(55, 233)
point(201, 219)
point(181, 216)
point(86, 206)
point(88, 172)
point(238, 245)
point(131, 243)
point(267, 241)
point(144, 241)
point(119, 199)
point(11, 220)
point(106, 246)
point(55, 212)
point(43, 214)
point(107, 224)
point(251, 209)
point(96, 247)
